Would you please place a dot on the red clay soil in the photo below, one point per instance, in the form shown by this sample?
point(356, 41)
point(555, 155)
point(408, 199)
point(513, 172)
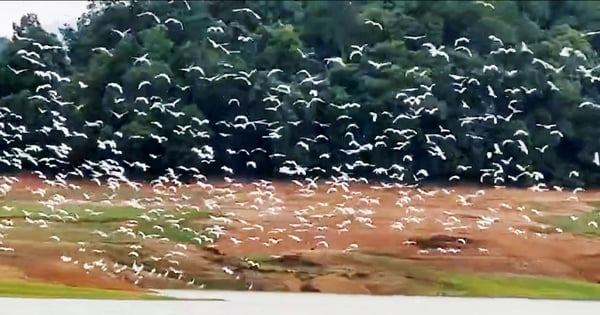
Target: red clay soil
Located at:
point(40, 262)
point(362, 219)
point(495, 249)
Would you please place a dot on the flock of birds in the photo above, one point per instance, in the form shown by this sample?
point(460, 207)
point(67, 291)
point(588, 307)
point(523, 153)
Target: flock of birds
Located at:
point(261, 196)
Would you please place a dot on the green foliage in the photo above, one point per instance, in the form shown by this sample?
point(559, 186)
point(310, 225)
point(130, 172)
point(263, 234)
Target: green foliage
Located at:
point(319, 30)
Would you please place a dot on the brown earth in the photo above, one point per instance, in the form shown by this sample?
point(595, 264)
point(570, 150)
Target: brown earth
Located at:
point(355, 257)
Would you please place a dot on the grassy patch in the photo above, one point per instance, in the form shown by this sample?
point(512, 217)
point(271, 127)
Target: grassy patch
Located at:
point(580, 226)
point(407, 268)
point(422, 280)
point(233, 285)
point(171, 232)
point(516, 286)
point(83, 213)
point(21, 288)
point(180, 226)
point(183, 231)
point(106, 214)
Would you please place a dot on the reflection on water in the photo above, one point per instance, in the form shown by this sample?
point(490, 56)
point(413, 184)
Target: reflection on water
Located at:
point(255, 303)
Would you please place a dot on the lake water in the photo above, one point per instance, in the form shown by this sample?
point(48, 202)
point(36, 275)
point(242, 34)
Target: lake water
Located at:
point(259, 303)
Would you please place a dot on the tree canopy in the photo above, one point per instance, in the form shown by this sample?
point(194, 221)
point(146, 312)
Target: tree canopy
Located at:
point(502, 93)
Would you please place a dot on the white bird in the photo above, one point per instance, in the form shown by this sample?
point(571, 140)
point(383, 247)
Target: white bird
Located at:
point(17, 72)
point(303, 54)
point(227, 270)
point(295, 238)
point(103, 50)
point(590, 33)
point(525, 48)
point(324, 243)
point(542, 149)
point(491, 92)
point(118, 115)
point(359, 48)
point(140, 85)
point(193, 68)
point(457, 48)
point(496, 39)
point(337, 60)
point(547, 65)
point(164, 76)
point(142, 59)
point(547, 127)
point(489, 68)
point(486, 4)
point(33, 61)
point(415, 37)
point(379, 65)
point(553, 86)
point(247, 10)
point(215, 29)
point(436, 51)
point(173, 20)
point(378, 25)
point(148, 13)
point(121, 34)
point(232, 101)
point(460, 40)
point(273, 71)
point(23, 38)
point(115, 86)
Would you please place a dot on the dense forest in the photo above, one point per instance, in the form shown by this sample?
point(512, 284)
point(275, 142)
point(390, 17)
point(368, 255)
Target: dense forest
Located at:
point(497, 92)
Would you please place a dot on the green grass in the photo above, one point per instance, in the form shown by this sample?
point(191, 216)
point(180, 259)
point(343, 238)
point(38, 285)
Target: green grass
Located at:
point(579, 226)
point(516, 286)
point(171, 232)
point(104, 218)
point(88, 212)
point(423, 280)
point(174, 233)
point(108, 213)
point(31, 289)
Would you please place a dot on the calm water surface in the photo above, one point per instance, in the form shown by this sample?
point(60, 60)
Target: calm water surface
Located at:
point(255, 303)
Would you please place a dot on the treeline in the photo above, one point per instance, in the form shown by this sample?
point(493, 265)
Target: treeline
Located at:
point(504, 93)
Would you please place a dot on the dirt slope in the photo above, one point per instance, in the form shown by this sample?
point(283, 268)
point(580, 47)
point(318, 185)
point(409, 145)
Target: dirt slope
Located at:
point(317, 238)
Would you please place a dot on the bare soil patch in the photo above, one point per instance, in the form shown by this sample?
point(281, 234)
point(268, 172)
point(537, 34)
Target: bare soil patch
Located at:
point(365, 240)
